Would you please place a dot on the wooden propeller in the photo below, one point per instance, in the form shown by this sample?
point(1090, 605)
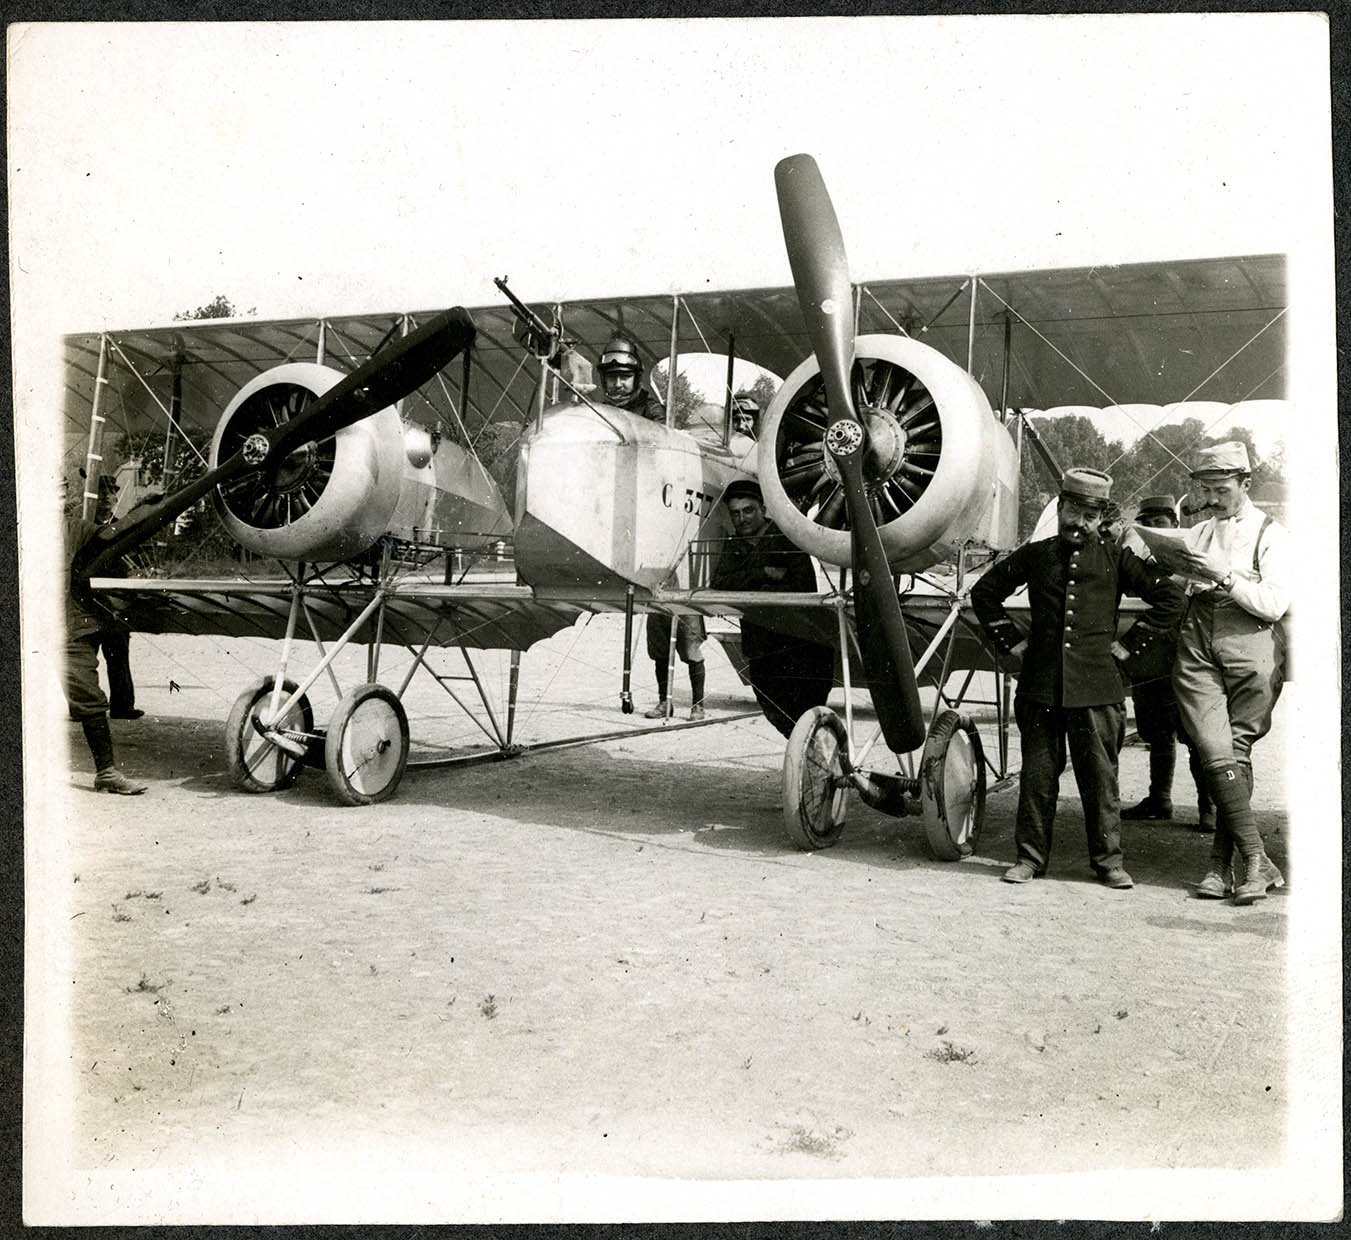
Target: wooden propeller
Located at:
point(816, 253)
point(387, 377)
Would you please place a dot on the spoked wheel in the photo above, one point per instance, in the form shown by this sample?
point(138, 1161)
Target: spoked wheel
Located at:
point(255, 763)
point(952, 786)
point(366, 749)
point(815, 786)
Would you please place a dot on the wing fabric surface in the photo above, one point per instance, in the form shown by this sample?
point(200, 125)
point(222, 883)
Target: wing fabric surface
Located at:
point(1151, 333)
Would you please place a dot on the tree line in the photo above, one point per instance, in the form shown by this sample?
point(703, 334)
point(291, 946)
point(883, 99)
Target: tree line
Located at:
point(1157, 463)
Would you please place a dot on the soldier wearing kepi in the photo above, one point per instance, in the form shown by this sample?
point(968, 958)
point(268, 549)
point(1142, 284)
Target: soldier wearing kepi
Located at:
point(1231, 658)
point(1156, 716)
point(1070, 690)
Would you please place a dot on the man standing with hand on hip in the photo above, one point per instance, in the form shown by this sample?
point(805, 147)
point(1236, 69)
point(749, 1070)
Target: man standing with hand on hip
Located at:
point(1070, 690)
point(1231, 658)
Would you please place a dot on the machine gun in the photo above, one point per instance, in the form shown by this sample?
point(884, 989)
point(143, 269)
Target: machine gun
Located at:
point(545, 342)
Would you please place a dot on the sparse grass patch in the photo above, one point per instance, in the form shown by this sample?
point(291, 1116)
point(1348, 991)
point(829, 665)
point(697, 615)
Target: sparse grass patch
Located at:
point(145, 987)
point(804, 1140)
point(947, 1053)
point(488, 1007)
point(119, 915)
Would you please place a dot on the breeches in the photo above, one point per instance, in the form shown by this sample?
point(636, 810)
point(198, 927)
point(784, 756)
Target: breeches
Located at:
point(81, 677)
point(1156, 714)
point(1228, 676)
point(1093, 737)
point(689, 638)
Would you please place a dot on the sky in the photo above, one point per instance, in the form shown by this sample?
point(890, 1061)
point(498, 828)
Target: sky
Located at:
point(338, 168)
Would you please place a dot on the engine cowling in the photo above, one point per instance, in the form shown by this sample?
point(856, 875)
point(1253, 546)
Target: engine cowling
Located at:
point(941, 471)
point(326, 501)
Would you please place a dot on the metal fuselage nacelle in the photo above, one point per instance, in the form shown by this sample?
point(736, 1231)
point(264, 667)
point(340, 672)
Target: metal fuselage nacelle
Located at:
point(606, 499)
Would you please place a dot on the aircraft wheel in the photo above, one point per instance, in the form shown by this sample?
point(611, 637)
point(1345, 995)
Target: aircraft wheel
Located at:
point(952, 786)
point(815, 787)
point(255, 763)
point(366, 749)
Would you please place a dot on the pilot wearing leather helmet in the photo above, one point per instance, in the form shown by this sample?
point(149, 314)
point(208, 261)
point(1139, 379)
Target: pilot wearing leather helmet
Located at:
point(621, 383)
point(745, 414)
point(1070, 691)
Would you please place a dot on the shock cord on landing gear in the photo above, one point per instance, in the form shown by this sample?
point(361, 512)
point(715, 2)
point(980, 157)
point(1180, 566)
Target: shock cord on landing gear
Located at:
point(625, 692)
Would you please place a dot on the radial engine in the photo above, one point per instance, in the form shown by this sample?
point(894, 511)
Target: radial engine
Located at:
point(941, 471)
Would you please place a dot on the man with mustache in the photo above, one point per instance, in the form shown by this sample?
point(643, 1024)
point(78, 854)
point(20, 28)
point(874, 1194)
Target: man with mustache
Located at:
point(1070, 690)
point(1231, 659)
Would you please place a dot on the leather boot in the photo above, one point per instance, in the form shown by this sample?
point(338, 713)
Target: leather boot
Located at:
point(1158, 805)
point(1205, 807)
point(1254, 884)
point(1214, 886)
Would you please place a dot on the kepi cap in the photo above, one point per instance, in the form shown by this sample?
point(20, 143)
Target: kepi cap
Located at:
point(1222, 458)
point(1087, 486)
point(743, 488)
point(1158, 503)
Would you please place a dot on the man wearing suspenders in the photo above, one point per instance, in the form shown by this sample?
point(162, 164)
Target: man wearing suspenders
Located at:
point(1231, 658)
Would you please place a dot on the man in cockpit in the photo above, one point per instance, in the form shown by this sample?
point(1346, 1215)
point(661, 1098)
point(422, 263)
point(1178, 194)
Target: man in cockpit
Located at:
point(745, 414)
point(621, 383)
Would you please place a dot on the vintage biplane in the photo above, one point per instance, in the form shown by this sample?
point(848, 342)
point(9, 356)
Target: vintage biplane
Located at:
point(342, 467)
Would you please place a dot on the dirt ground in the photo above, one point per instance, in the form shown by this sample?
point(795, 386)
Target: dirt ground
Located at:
point(607, 961)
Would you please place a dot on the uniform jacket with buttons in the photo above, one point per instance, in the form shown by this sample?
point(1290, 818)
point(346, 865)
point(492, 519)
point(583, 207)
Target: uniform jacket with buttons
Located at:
point(1074, 594)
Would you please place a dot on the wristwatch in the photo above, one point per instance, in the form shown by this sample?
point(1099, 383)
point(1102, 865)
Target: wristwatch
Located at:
point(1226, 582)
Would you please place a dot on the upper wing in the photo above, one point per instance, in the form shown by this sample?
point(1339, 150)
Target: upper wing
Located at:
point(1158, 332)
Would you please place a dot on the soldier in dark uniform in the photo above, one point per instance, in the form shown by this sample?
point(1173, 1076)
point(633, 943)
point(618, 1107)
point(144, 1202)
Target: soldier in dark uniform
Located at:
point(787, 674)
point(84, 696)
point(1070, 690)
point(114, 638)
point(1156, 714)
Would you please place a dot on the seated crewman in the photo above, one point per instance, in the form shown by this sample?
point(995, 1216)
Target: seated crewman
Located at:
point(621, 380)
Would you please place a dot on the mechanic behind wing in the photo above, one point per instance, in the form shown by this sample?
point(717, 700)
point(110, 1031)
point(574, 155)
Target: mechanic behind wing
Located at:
point(1151, 677)
point(621, 380)
point(1070, 690)
point(787, 674)
point(85, 622)
point(1232, 658)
